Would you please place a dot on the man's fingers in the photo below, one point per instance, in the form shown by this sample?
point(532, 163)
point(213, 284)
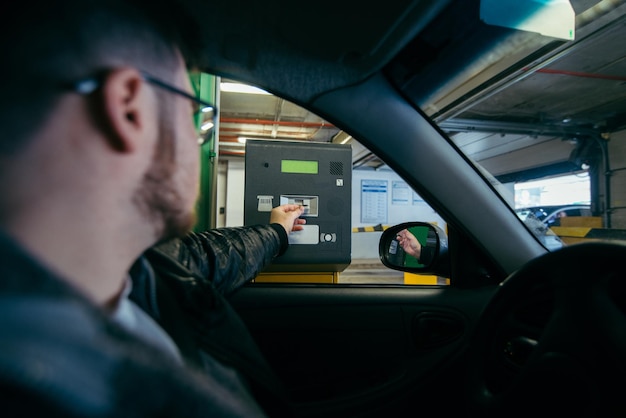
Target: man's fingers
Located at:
point(292, 206)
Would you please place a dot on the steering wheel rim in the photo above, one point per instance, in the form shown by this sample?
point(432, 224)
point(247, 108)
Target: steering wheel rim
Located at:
point(553, 338)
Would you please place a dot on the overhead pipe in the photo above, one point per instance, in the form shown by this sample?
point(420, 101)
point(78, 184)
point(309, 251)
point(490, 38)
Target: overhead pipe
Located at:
point(244, 121)
point(233, 153)
point(581, 74)
point(265, 122)
point(286, 135)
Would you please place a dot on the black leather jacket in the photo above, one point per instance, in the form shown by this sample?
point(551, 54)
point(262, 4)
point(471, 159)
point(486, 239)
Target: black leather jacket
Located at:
point(61, 356)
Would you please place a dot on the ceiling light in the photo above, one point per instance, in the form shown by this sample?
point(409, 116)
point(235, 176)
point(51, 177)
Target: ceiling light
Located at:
point(240, 88)
point(341, 138)
point(241, 139)
point(206, 126)
point(346, 139)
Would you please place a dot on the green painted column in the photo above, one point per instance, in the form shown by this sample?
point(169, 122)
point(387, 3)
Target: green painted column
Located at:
point(206, 86)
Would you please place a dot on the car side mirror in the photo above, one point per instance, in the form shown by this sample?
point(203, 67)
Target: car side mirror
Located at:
point(415, 247)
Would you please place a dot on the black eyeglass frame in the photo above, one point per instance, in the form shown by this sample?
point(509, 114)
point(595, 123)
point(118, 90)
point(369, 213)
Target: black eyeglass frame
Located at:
point(89, 85)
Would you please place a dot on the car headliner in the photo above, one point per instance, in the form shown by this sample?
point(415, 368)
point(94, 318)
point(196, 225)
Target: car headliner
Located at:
point(255, 42)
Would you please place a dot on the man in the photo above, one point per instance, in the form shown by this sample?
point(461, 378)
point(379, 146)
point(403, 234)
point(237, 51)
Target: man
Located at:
point(99, 162)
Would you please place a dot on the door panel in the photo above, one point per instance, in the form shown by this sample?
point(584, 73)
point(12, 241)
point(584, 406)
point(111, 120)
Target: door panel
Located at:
point(348, 350)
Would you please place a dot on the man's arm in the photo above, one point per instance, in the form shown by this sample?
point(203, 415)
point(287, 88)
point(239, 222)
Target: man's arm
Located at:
point(231, 257)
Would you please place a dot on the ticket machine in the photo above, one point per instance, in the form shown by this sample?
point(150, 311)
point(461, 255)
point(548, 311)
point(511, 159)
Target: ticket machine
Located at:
point(315, 175)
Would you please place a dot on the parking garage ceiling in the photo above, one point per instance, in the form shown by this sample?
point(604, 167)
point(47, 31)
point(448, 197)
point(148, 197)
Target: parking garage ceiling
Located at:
point(538, 91)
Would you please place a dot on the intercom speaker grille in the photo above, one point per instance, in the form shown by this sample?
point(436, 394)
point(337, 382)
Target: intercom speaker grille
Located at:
point(336, 168)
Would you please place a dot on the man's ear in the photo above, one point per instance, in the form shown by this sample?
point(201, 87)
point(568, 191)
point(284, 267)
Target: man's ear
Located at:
point(127, 108)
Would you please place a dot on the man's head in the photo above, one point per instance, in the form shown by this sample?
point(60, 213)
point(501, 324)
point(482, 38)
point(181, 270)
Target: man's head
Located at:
point(49, 46)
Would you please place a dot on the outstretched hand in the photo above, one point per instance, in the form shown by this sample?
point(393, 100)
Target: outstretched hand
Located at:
point(409, 243)
point(288, 216)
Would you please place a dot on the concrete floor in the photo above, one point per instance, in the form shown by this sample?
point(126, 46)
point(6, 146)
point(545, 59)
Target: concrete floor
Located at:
point(360, 271)
point(370, 271)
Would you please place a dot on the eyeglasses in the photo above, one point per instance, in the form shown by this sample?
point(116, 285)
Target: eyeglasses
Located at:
point(204, 115)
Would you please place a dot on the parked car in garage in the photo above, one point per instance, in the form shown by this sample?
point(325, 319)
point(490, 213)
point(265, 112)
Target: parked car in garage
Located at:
point(551, 215)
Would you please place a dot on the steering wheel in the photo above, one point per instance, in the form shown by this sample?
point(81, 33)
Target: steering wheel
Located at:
point(553, 338)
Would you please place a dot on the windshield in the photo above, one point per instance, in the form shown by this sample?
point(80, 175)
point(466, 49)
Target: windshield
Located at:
point(538, 219)
point(535, 111)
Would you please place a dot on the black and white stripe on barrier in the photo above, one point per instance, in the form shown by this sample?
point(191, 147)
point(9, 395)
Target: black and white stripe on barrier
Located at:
point(375, 228)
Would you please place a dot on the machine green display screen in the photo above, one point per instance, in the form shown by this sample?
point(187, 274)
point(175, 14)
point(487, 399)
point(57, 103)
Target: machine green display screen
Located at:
point(298, 166)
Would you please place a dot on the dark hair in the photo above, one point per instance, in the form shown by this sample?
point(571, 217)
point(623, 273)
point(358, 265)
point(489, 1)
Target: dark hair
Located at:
point(45, 45)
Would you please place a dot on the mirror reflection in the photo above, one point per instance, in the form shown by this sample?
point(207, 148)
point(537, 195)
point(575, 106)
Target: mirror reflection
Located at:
point(416, 254)
point(413, 246)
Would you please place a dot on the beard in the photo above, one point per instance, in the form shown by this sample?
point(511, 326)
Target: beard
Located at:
point(157, 197)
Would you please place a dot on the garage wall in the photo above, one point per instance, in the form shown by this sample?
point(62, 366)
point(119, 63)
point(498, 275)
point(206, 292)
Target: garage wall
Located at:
point(398, 210)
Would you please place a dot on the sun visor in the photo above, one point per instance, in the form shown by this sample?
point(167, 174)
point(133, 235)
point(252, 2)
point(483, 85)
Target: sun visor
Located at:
point(554, 18)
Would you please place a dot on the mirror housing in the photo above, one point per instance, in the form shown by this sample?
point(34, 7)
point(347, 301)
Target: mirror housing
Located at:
point(424, 248)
